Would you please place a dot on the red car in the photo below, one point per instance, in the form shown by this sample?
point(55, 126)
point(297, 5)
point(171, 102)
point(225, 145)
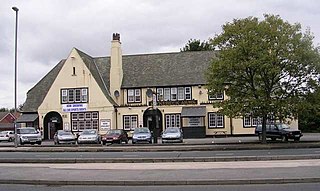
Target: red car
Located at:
point(115, 136)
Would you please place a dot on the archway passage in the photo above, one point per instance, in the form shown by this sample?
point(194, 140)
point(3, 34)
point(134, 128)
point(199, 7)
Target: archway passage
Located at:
point(51, 124)
point(152, 118)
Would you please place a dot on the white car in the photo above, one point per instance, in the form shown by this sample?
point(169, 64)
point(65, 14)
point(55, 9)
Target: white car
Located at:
point(7, 136)
point(29, 135)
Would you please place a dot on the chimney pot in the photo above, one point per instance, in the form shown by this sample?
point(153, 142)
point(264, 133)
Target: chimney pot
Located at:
point(116, 36)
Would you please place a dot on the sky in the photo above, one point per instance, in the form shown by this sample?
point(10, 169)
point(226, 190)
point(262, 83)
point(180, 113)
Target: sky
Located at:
point(49, 29)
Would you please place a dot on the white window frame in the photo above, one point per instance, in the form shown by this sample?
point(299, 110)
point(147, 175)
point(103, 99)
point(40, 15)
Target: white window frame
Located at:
point(187, 92)
point(84, 120)
point(64, 96)
point(159, 94)
point(166, 94)
point(174, 93)
point(71, 95)
point(180, 93)
point(173, 120)
point(215, 121)
point(84, 95)
point(137, 95)
point(130, 95)
point(130, 122)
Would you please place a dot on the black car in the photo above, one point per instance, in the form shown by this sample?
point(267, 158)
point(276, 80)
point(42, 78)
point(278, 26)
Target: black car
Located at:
point(279, 131)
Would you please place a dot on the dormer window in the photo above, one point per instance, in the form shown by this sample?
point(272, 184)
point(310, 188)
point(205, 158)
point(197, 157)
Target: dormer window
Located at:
point(134, 96)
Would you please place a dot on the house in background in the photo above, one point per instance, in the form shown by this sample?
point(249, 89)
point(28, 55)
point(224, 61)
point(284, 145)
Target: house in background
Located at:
point(128, 91)
point(7, 120)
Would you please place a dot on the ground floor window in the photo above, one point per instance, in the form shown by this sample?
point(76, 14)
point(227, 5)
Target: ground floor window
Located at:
point(173, 120)
point(84, 120)
point(130, 122)
point(215, 120)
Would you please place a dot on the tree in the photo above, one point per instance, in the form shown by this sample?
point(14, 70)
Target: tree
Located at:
point(196, 45)
point(265, 68)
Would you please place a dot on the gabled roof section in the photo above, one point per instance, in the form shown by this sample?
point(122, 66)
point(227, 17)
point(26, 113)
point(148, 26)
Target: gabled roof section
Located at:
point(91, 65)
point(163, 69)
point(166, 69)
point(36, 95)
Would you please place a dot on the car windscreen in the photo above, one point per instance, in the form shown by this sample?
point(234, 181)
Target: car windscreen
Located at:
point(283, 126)
point(114, 132)
point(64, 133)
point(141, 130)
point(27, 131)
point(172, 130)
point(88, 132)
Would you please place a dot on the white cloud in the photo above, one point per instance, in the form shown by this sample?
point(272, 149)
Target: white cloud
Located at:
point(49, 29)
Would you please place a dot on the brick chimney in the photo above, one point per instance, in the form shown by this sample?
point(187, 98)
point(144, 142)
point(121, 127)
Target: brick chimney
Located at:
point(116, 72)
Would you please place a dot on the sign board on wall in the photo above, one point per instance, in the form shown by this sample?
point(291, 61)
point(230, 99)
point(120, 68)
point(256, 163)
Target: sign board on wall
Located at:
point(105, 124)
point(79, 107)
point(194, 122)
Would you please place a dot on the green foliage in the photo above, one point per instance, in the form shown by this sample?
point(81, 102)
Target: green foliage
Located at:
point(264, 67)
point(196, 45)
point(309, 113)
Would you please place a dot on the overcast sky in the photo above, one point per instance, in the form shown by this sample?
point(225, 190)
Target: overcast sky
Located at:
point(49, 29)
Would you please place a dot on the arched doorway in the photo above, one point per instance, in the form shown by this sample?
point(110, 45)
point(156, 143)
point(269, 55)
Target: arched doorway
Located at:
point(51, 124)
point(152, 118)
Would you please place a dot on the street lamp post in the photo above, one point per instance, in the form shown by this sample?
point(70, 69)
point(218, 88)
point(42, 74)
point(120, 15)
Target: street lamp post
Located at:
point(15, 77)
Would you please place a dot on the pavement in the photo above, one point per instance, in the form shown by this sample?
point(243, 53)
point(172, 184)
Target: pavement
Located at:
point(200, 171)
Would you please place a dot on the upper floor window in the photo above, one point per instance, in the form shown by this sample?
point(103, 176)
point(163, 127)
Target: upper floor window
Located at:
point(74, 95)
point(134, 95)
point(218, 96)
point(174, 94)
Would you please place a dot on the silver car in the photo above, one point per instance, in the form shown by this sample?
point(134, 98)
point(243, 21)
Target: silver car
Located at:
point(29, 135)
point(7, 136)
point(61, 137)
point(172, 134)
point(141, 134)
point(89, 136)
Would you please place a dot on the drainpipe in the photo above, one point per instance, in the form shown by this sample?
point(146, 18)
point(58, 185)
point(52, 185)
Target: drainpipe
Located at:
point(116, 110)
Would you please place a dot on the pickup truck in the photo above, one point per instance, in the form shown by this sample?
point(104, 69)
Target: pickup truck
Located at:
point(279, 131)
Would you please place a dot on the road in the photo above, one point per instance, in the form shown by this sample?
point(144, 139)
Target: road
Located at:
point(267, 187)
point(155, 154)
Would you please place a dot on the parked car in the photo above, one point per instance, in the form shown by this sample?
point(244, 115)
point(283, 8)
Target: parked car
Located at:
point(172, 134)
point(279, 131)
point(29, 135)
point(61, 137)
point(7, 136)
point(115, 136)
point(141, 134)
point(89, 136)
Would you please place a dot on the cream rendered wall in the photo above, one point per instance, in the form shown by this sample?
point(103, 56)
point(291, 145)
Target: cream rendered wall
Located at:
point(83, 78)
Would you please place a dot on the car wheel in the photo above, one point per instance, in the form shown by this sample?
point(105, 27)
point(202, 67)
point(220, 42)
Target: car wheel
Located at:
point(10, 139)
point(284, 138)
point(297, 139)
point(39, 143)
point(273, 139)
point(260, 137)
